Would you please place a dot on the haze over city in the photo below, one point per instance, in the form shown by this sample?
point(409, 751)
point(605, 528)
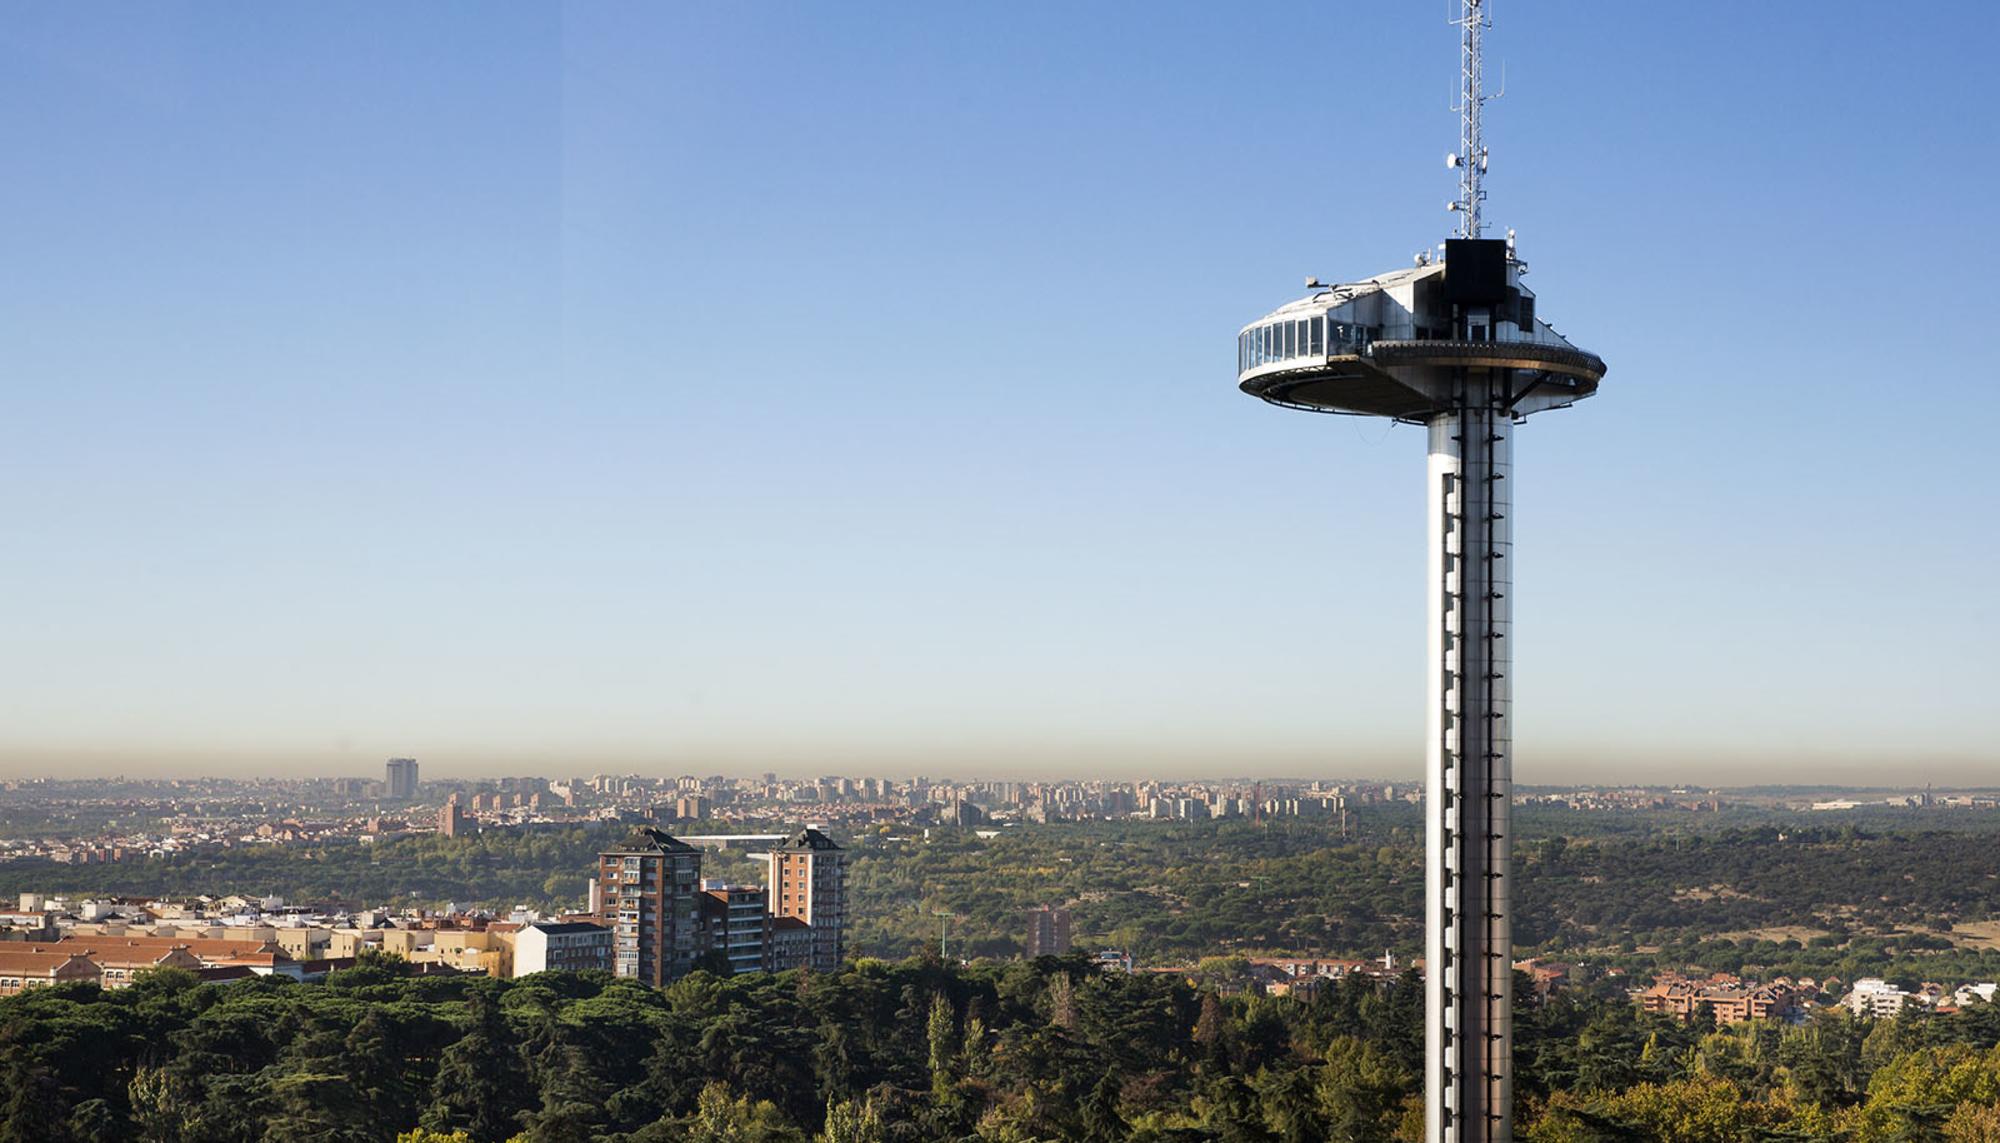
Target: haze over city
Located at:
point(744, 388)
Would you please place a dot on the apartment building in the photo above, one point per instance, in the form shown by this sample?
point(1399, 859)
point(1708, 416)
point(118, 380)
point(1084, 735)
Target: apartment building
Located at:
point(736, 922)
point(1048, 932)
point(648, 889)
point(562, 946)
point(1731, 1000)
point(808, 881)
point(791, 945)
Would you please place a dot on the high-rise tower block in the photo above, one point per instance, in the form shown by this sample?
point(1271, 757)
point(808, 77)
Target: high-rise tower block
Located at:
point(809, 882)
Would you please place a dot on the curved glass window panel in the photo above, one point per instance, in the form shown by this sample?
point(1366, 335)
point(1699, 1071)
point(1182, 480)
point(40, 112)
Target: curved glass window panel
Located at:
point(1291, 339)
point(1263, 344)
point(1317, 324)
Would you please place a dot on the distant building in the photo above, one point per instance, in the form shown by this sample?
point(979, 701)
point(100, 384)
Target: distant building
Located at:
point(401, 779)
point(648, 889)
point(808, 881)
point(567, 946)
point(452, 819)
point(1048, 932)
point(1729, 999)
point(1549, 976)
point(119, 957)
point(1873, 996)
point(1981, 993)
point(40, 967)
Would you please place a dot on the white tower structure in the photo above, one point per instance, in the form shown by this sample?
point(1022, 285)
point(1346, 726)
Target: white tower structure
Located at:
point(1458, 347)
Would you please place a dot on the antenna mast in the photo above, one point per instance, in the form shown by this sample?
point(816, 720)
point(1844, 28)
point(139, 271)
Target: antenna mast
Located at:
point(1471, 157)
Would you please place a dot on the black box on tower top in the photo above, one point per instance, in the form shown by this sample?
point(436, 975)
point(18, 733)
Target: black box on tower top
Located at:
point(1475, 271)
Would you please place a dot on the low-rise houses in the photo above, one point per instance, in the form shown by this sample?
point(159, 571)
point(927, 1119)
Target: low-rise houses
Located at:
point(1873, 996)
point(37, 967)
point(1730, 998)
point(1969, 994)
point(231, 937)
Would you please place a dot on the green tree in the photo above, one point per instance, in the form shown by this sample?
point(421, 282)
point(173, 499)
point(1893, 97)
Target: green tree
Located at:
point(1360, 1091)
point(481, 1083)
point(941, 1032)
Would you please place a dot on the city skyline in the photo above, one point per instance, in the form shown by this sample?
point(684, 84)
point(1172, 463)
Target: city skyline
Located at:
point(395, 383)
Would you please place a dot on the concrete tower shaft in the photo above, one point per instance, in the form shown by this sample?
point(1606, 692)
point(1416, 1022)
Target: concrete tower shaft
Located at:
point(1468, 958)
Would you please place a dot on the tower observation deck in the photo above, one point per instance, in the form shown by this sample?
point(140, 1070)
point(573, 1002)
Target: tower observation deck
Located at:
point(1458, 346)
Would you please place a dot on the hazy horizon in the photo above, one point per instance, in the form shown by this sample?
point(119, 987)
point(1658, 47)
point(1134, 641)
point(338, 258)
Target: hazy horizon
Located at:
point(791, 390)
point(1800, 771)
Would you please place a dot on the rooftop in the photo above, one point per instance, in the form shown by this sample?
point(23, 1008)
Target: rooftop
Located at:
point(810, 838)
point(557, 928)
point(653, 841)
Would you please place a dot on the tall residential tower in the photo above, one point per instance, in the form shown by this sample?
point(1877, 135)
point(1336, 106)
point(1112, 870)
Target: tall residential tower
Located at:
point(647, 889)
point(1456, 345)
point(399, 779)
point(809, 881)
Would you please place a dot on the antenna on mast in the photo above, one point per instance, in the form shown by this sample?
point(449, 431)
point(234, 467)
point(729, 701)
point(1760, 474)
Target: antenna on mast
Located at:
point(1470, 159)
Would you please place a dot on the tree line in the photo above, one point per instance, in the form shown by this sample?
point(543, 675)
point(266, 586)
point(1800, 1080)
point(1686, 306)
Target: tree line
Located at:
point(920, 1050)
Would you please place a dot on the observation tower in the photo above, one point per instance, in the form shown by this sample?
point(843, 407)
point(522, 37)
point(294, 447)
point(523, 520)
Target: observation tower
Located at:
point(1455, 344)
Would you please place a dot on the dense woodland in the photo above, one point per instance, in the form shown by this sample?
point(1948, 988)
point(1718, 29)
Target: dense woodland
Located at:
point(1882, 893)
point(918, 1050)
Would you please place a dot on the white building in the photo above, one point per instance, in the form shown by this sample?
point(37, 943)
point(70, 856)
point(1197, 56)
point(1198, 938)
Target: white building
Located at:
point(1981, 993)
point(1873, 996)
point(570, 946)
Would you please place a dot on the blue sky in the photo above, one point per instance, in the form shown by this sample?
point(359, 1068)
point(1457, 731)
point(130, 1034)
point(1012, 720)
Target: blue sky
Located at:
point(849, 388)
